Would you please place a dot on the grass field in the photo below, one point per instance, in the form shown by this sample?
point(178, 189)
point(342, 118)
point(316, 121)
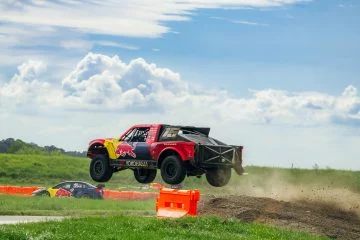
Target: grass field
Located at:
point(18, 205)
point(125, 227)
point(42, 170)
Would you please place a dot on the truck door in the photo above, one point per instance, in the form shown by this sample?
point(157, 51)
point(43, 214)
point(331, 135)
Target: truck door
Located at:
point(134, 146)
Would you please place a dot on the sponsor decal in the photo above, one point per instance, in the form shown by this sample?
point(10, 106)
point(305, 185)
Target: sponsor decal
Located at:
point(132, 163)
point(62, 193)
point(125, 148)
point(170, 144)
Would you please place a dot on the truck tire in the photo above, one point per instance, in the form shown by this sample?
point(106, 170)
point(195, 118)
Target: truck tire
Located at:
point(218, 177)
point(145, 175)
point(100, 170)
point(173, 170)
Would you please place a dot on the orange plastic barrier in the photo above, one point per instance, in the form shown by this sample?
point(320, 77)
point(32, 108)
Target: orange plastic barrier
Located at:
point(15, 190)
point(175, 203)
point(129, 195)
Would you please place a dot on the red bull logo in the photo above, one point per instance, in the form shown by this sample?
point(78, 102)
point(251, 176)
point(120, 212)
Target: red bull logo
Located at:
point(62, 193)
point(124, 149)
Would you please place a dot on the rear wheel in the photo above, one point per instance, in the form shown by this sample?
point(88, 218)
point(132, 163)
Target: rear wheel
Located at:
point(100, 170)
point(173, 170)
point(218, 177)
point(45, 194)
point(145, 175)
point(85, 196)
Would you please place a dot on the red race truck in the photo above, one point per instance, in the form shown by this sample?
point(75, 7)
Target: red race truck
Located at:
point(178, 151)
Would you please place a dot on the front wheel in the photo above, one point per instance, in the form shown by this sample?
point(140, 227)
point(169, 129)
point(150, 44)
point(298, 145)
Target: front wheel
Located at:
point(173, 170)
point(100, 170)
point(218, 177)
point(87, 196)
point(145, 175)
point(43, 193)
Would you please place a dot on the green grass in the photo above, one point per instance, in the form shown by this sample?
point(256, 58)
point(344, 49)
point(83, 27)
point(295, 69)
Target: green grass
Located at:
point(44, 206)
point(45, 170)
point(126, 227)
point(40, 170)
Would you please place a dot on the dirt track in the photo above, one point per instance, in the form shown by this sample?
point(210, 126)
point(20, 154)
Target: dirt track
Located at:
point(315, 217)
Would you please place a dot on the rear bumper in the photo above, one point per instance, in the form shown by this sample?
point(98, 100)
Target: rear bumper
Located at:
point(215, 156)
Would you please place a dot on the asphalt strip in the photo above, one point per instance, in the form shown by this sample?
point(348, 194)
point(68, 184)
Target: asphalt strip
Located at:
point(28, 219)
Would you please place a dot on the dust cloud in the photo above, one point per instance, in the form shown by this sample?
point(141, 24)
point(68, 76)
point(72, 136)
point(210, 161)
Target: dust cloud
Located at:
point(277, 187)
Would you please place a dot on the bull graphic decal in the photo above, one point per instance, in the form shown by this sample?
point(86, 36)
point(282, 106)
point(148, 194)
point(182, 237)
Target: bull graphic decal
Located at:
point(62, 193)
point(125, 148)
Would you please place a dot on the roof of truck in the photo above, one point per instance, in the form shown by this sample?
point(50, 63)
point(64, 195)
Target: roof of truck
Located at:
point(203, 130)
point(162, 124)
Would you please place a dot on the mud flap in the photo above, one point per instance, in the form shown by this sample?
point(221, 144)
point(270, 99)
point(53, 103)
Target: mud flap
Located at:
point(238, 161)
point(238, 168)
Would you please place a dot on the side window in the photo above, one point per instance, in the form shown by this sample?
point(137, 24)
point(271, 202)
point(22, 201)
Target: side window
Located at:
point(78, 185)
point(140, 135)
point(170, 134)
point(136, 135)
point(129, 136)
point(61, 185)
point(66, 186)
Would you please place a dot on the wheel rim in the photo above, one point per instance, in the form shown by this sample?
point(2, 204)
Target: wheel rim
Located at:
point(141, 173)
point(170, 170)
point(98, 168)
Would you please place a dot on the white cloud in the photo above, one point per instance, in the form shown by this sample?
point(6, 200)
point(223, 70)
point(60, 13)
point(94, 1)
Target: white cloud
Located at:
point(103, 83)
point(20, 42)
point(24, 90)
point(87, 44)
point(248, 23)
point(28, 29)
point(76, 44)
point(243, 22)
point(116, 45)
point(137, 18)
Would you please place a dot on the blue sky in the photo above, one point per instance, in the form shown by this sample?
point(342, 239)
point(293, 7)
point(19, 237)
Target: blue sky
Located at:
point(260, 73)
point(302, 47)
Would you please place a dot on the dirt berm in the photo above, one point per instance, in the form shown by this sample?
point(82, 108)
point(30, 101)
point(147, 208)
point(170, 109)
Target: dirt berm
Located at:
point(315, 217)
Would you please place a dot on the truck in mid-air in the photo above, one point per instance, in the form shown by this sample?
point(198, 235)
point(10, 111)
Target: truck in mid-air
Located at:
point(178, 151)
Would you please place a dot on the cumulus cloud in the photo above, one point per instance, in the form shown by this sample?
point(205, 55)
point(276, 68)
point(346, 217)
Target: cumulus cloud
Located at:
point(24, 89)
point(104, 83)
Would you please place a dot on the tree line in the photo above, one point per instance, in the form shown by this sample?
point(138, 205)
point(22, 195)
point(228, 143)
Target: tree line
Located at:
point(17, 146)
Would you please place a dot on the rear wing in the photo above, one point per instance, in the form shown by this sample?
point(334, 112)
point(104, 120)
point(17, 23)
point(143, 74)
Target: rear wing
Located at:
point(202, 130)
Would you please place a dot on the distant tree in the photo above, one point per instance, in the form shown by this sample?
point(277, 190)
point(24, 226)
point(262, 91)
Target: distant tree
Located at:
point(18, 146)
